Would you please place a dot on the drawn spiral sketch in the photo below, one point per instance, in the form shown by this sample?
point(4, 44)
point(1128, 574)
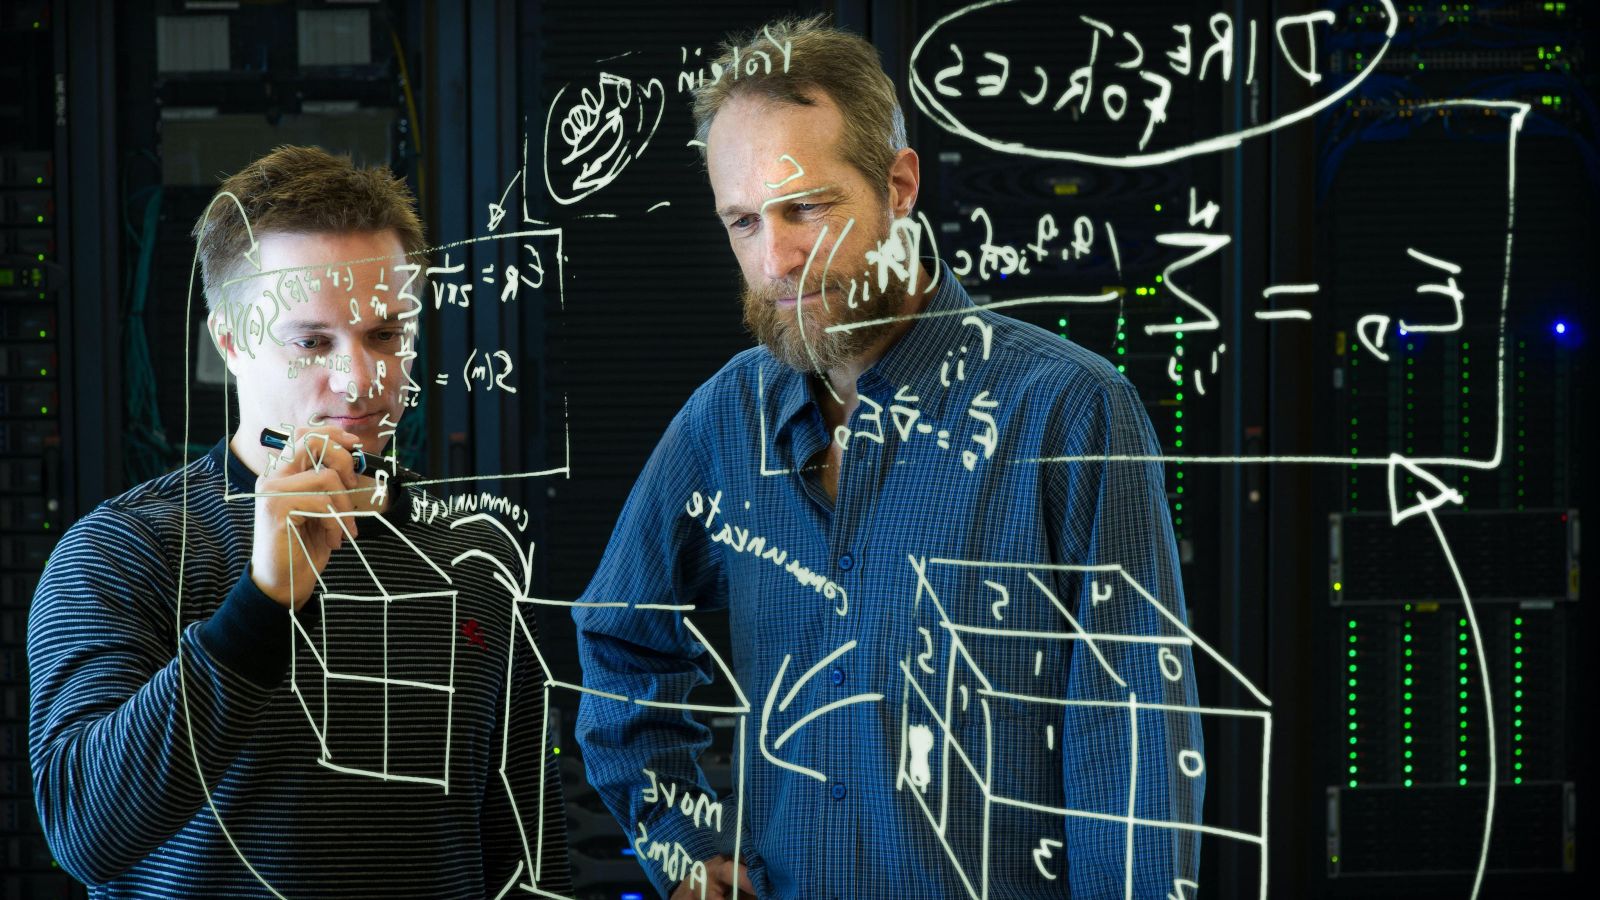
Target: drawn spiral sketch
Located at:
point(951, 743)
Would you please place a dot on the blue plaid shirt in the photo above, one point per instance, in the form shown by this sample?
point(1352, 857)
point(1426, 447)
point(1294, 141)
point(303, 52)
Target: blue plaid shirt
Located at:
point(939, 682)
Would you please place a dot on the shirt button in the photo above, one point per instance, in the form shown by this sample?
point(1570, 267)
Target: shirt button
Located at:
point(839, 791)
point(847, 562)
point(837, 675)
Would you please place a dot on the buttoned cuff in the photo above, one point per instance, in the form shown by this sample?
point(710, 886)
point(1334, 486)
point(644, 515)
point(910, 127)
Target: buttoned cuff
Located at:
point(670, 845)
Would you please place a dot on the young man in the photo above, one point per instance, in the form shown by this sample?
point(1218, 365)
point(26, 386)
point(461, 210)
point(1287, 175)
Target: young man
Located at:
point(857, 492)
point(257, 675)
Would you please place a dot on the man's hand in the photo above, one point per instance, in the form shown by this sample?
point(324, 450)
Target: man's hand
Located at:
point(313, 480)
point(719, 882)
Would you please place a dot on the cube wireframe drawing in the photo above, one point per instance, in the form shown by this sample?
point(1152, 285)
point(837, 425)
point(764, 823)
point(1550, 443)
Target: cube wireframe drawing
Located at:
point(1005, 676)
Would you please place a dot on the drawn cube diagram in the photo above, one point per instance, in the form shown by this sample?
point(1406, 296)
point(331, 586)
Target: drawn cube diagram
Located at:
point(1012, 663)
point(403, 695)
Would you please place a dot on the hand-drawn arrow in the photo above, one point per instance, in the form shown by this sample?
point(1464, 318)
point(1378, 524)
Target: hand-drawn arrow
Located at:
point(772, 693)
point(1425, 504)
point(254, 253)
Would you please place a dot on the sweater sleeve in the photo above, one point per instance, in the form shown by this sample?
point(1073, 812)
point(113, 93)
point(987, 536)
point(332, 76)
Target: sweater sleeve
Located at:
point(134, 719)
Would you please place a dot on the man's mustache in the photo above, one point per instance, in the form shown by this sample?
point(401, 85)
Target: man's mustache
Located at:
point(772, 293)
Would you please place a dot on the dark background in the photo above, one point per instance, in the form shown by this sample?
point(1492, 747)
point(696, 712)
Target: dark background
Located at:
point(117, 121)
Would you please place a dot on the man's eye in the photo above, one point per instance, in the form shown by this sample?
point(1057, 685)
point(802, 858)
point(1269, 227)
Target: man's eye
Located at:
point(807, 207)
point(742, 222)
point(308, 343)
point(386, 336)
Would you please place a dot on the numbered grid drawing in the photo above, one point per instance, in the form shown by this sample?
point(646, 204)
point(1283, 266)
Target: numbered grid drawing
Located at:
point(938, 755)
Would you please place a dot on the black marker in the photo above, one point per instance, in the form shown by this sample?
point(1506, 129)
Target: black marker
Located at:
point(366, 463)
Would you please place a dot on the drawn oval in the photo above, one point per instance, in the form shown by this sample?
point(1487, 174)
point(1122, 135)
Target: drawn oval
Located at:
point(931, 107)
point(600, 134)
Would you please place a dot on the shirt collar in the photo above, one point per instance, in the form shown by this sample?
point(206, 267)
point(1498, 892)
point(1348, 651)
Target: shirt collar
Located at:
point(920, 350)
point(917, 352)
point(240, 479)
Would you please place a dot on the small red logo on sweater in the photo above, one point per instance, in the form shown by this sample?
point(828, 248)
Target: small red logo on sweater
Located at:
point(474, 633)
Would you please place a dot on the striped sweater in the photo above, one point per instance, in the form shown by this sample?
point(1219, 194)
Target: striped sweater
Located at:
point(189, 738)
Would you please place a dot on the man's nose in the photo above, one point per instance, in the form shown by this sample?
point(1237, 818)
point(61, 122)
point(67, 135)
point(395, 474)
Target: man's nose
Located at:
point(784, 250)
point(359, 364)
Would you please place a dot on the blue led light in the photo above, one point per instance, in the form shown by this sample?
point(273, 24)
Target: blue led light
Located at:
point(1561, 328)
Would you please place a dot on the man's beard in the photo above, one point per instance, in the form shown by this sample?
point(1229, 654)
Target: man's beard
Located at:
point(815, 349)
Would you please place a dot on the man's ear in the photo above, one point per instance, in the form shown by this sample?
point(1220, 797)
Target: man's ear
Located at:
point(905, 177)
point(222, 339)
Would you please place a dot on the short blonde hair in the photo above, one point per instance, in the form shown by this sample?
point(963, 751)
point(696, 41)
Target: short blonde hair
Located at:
point(819, 58)
point(300, 190)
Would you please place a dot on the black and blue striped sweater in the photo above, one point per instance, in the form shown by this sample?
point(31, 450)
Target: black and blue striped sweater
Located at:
point(359, 749)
